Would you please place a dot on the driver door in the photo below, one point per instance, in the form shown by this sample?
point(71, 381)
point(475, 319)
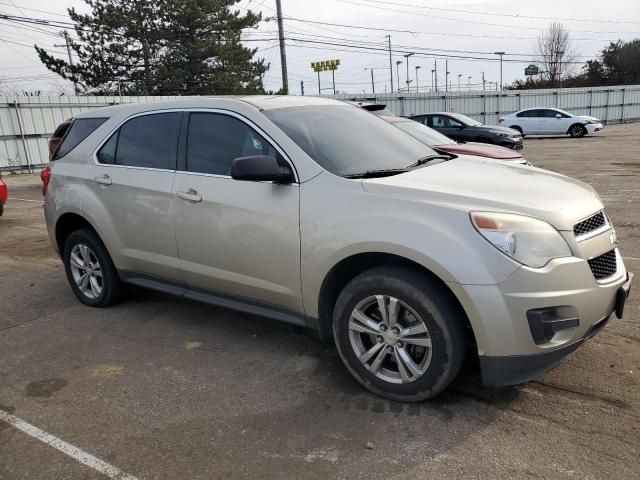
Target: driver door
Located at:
point(236, 238)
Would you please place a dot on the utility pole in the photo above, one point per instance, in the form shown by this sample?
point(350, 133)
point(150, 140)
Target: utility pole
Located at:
point(302, 87)
point(432, 71)
point(469, 82)
point(418, 67)
point(459, 75)
point(446, 76)
point(390, 63)
point(398, 62)
point(68, 45)
point(373, 85)
point(319, 92)
point(407, 59)
point(483, 82)
point(283, 54)
point(435, 70)
point(501, 54)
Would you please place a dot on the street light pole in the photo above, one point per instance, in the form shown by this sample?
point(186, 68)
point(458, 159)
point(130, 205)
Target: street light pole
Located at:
point(501, 54)
point(407, 60)
point(373, 86)
point(459, 75)
point(398, 62)
point(446, 75)
point(418, 67)
point(435, 69)
point(483, 82)
point(469, 82)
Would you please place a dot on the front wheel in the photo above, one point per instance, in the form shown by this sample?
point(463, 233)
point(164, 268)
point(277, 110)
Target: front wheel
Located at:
point(577, 131)
point(399, 333)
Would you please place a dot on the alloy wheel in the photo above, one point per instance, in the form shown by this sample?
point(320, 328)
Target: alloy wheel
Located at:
point(86, 271)
point(390, 339)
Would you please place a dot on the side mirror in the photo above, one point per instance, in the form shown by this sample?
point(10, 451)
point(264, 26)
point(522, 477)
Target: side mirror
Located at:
point(260, 168)
point(558, 115)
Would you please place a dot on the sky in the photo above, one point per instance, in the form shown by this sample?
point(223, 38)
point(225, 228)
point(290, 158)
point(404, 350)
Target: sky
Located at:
point(432, 30)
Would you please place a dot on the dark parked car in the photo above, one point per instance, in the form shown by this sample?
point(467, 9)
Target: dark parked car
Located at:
point(465, 129)
point(443, 144)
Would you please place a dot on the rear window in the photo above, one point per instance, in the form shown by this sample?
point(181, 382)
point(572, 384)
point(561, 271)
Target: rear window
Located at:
point(80, 129)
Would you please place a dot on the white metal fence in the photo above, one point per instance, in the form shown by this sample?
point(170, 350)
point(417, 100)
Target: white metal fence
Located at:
point(27, 122)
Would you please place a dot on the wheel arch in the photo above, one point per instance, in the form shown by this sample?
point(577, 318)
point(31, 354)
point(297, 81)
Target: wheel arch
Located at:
point(68, 223)
point(349, 267)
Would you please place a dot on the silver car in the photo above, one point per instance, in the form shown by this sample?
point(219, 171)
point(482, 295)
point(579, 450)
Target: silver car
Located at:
point(319, 214)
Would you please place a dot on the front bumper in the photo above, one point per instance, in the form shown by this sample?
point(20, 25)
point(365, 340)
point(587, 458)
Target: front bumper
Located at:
point(516, 369)
point(504, 336)
point(594, 127)
point(514, 143)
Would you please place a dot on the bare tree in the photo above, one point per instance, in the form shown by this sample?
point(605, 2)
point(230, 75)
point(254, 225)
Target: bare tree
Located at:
point(556, 54)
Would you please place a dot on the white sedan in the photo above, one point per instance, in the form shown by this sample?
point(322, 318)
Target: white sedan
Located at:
point(551, 121)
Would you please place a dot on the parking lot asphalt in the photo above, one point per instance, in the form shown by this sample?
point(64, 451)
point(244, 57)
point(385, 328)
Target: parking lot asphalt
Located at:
point(162, 388)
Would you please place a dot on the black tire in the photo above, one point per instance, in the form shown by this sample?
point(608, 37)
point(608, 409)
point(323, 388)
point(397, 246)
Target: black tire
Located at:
point(111, 286)
point(577, 130)
point(437, 308)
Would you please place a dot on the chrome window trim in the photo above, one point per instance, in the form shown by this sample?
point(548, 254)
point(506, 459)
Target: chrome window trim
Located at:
point(94, 155)
point(586, 236)
point(231, 113)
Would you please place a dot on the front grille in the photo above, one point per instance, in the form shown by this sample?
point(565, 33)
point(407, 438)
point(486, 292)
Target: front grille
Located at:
point(589, 224)
point(604, 266)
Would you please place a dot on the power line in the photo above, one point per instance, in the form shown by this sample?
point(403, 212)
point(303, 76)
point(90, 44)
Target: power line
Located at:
point(496, 14)
point(418, 32)
point(467, 21)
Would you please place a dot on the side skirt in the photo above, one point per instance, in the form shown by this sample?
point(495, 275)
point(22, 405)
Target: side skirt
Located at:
point(240, 304)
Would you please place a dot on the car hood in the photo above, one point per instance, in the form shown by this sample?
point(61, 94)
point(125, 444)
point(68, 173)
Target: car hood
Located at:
point(495, 128)
point(483, 184)
point(587, 117)
point(480, 150)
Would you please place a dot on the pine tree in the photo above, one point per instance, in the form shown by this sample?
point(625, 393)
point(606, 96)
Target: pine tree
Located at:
point(145, 47)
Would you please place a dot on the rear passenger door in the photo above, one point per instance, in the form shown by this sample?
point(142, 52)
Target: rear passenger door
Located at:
point(529, 120)
point(235, 238)
point(132, 202)
point(448, 126)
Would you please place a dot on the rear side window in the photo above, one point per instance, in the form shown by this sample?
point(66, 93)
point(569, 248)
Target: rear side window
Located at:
point(80, 129)
point(215, 140)
point(148, 141)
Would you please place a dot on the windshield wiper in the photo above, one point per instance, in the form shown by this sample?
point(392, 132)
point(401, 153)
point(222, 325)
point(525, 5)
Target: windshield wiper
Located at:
point(377, 173)
point(430, 159)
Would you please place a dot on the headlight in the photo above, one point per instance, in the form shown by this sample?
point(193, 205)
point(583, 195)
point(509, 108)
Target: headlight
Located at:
point(525, 239)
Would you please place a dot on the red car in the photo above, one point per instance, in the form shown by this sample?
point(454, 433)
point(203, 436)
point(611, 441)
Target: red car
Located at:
point(4, 193)
point(443, 144)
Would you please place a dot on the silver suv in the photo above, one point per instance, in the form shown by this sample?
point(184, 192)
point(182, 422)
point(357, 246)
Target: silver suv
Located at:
point(320, 214)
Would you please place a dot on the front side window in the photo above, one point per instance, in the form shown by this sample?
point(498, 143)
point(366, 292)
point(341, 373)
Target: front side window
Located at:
point(421, 132)
point(463, 119)
point(214, 140)
point(80, 129)
point(346, 140)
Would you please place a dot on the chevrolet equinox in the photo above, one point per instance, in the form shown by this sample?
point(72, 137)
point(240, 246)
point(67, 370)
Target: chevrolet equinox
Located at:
point(320, 214)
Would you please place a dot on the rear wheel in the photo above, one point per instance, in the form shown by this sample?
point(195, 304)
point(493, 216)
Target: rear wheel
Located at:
point(399, 333)
point(90, 271)
point(577, 130)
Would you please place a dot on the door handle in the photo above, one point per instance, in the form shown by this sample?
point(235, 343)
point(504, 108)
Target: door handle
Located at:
point(103, 180)
point(191, 195)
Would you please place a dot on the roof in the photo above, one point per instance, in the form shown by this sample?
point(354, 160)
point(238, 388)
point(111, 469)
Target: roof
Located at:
point(261, 102)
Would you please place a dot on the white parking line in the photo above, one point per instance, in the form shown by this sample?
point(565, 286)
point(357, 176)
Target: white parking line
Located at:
point(631, 258)
point(66, 448)
point(25, 200)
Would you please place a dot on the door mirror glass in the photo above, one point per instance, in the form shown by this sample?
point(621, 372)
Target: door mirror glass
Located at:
point(260, 168)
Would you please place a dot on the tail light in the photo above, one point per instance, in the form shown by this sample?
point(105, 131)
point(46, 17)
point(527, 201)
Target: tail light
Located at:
point(45, 176)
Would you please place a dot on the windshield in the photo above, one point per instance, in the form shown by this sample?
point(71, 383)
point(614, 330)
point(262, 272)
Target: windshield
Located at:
point(347, 140)
point(468, 121)
point(421, 132)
